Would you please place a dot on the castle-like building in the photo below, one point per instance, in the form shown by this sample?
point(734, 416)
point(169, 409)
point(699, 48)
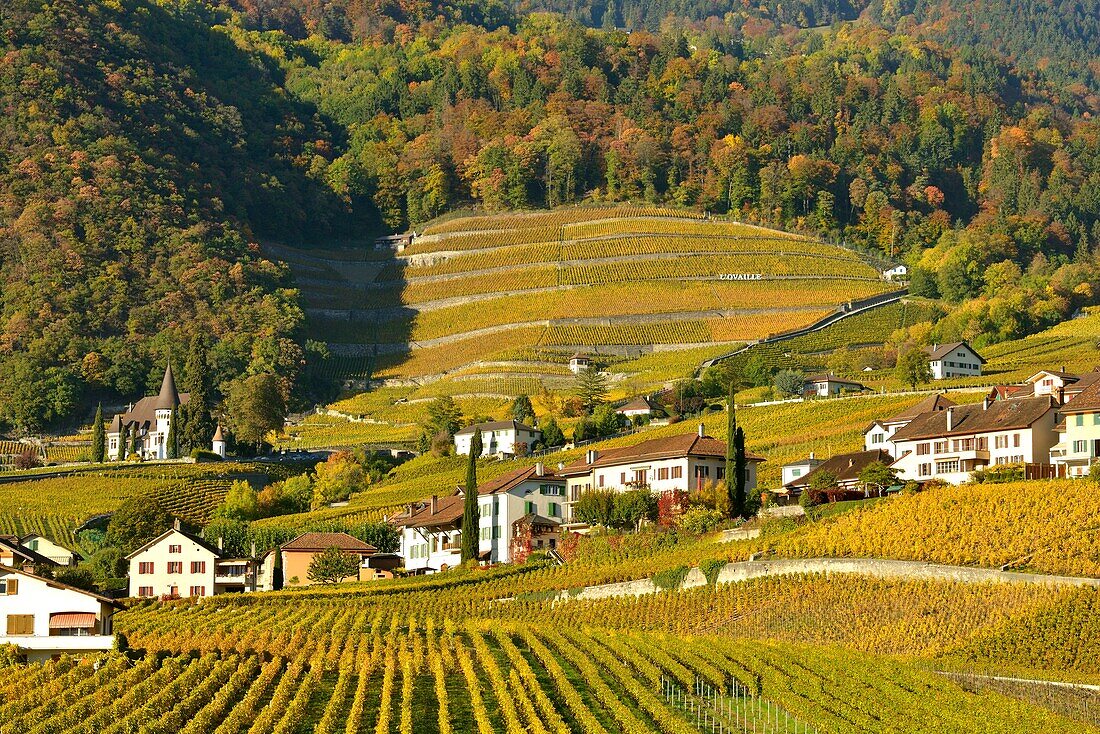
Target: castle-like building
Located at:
point(153, 417)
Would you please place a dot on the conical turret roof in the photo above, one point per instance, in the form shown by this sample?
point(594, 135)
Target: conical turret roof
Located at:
point(218, 436)
point(169, 397)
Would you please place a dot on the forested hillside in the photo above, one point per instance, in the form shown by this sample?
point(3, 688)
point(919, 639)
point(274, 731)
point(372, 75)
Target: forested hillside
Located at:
point(146, 146)
point(141, 152)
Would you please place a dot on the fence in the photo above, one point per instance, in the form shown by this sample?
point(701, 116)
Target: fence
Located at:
point(736, 710)
point(1076, 701)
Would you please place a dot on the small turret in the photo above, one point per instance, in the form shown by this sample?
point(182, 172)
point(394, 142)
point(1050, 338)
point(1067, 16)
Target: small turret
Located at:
point(169, 397)
point(217, 444)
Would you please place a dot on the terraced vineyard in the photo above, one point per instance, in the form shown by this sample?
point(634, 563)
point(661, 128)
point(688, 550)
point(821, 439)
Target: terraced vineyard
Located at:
point(621, 277)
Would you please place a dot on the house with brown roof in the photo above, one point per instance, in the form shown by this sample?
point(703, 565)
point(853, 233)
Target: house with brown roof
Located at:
point(639, 407)
point(846, 468)
point(674, 463)
point(46, 619)
point(829, 385)
point(957, 359)
point(1078, 446)
point(878, 435)
point(517, 512)
point(152, 417)
point(950, 444)
point(507, 438)
point(297, 554)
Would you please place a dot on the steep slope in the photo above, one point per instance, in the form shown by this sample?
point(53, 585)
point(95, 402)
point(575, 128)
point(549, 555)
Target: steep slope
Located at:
point(139, 151)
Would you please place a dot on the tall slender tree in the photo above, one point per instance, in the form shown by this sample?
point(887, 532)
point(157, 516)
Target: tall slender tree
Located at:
point(172, 449)
point(99, 437)
point(741, 479)
point(122, 440)
point(135, 440)
point(470, 529)
point(731, 452)
point(198, 425)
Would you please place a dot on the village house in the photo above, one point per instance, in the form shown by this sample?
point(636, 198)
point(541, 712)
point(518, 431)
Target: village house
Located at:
point(1059, 383)
point(153, 418)
point(844, 468)
point(518, 513)
point(798, 469)
point(639, 407)
point(1078, 446)
point(296, 556)
point(674, 464)
point(13, 553)
point(829, 385)
point(45, 619)
point(957, 359)
point(950, 444)
point(179, 564)
point(898, 272)
point(47, 548)
point(509, 438)
point(579, 363)
point(878, 435)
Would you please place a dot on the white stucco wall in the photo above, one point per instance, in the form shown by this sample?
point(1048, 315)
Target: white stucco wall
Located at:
point(162, 581)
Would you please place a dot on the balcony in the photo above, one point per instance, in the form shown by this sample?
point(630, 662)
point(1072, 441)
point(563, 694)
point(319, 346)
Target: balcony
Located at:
point(60, 643)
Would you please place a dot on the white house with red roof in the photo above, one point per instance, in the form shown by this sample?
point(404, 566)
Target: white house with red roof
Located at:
point(675, 463)
point(517, 513)
point(179, 564)
point(878, 435)
point(957, 359)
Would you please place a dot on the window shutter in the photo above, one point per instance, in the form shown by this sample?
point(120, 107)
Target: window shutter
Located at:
point(13, 587)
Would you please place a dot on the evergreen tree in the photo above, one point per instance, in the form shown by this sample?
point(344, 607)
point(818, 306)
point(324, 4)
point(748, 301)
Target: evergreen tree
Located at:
point(731, 452)
point(135, 440)
point(591, 387)
point(122, 438)
point(741, 472)
point(172, 449)
point(470, 529)
point(99, 437)
point(198, 425)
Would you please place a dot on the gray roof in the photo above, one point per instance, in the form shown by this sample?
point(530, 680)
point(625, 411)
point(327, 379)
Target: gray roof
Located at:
point(497, 426)
point(939, 351)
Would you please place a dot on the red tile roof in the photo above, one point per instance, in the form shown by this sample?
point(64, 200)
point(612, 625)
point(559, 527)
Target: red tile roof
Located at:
point(1001, 415)
point(1086, 401)
point(324, 541)
point(845, 467)
point(928, 405)
point(655, 449)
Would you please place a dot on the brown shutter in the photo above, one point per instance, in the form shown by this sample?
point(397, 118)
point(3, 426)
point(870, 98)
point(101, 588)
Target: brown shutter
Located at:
point(13, 587)
point(20, 624)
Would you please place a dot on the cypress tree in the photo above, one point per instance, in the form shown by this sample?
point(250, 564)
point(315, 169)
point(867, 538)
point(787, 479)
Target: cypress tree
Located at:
point(135, 440)
point(741, 470)
point(470, 525)
point(735, 507)
point(99, 437)
point(122, 439)
point(198, 425)
point(172, 448)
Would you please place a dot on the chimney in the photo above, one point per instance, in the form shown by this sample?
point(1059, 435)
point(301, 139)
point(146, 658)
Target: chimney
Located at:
point(1060, 394)
point(702, 430)
point(176, 524)
point(253, 549)
point(590, 456)
point(950, 418)
point(221, 544)
point(434, 498)
point(561, 465)
point(985, 403)
point(851, 463)
point(540, 469)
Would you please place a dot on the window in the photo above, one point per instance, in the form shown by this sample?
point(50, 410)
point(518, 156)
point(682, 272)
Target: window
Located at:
point(622, 478)
point(662, 473)
point(198, 591)
point(496, 532)
point(145, 567)
point(924, 470)
point(796, 472)
point(1015, 440)
point(922, 449)
point(1000, 442)
point(876, 438)
point(553, 490)
point(175, 549)
point(486, 533)
point(555, 509)
point(528, 508)
point(941, 447)
point(175, 566)
point(20, 624)
point(1080, 419)
point(721, 473)
point(599, 482)
point(1080, 447)
point(1096, 419)
point(145, 591)
point(677, 472)
point(198, 567)
point(947, 467)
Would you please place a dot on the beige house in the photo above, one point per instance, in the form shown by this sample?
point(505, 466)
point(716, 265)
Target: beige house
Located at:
point(298, 554)
point(179, 564)
point(43, 546)
point(678, 463)
point(13, 553)
point(1078, 447)
point(46, 619)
